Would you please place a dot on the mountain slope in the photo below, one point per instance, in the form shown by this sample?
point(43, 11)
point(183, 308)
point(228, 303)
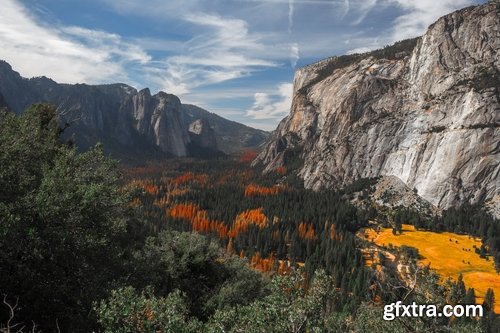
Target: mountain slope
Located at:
point(425, 111)
point(231, 136)
point(133, 125)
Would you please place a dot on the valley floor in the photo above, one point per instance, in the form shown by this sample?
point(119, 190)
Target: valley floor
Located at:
point(448, 253)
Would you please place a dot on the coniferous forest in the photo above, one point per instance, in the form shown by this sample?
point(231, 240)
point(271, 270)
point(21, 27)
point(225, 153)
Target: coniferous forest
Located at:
point(187, 245)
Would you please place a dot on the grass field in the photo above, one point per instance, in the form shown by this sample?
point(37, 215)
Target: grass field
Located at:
point(449, 254)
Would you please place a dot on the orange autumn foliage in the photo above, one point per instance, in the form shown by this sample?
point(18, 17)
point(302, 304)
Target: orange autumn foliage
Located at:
point(306, 231)
point(143, 171)
point(135, 203)
point(281, 170)
point(178, 192)
point(164, 201)
point(248, 156)
point(270, 264)
point(161, 202)
point(263, 264)
point(245, 219)
point(198, 219)
point(332, 232)
point(147, 185)
point(190, 177)
point(284, 267)
point(253, 189)
point(183, 211)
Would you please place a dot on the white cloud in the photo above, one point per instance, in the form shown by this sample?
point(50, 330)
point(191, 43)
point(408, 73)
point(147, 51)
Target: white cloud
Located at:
point(347, 6)
point(420, 14)
point(417, 17)
point(364, 7)
point(294, 54)
point(222, 49)
point(112, 44)
point(154, 8)
point(368, 44)
point(272, 105)
point(225, 51)
point(214, 42)
point(290, 16)
point(68, 54)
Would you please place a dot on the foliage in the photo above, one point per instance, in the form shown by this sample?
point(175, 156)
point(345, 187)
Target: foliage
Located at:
point(81, 251)
point(460, 257)
point(62, 218)
point(396, 51)
point(466, 219)
point(126, 311)
point(195, 265)
point(289, 308)
point(279, 231)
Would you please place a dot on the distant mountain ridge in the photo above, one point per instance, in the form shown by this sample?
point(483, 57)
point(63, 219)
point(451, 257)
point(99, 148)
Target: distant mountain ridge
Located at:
point(425, 110)
point(231, 136)
point(132, 125)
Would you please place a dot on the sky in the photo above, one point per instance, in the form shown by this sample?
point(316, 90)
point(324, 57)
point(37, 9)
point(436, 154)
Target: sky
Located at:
point(233, 57)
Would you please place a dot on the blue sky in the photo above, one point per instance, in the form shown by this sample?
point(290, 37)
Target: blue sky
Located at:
point(235, 58)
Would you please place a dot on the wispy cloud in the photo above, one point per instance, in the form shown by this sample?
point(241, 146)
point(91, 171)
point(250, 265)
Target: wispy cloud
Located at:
point(363, 8)
point(111, 44)
point(306, 2)
point(347, 6)
point(272, 105)
point(290, 16)
point(294, 54)
point(368, 44)
point(225, 55)
point(413, 22)
point(227, 50)
point(420, 14)
point(68, 54)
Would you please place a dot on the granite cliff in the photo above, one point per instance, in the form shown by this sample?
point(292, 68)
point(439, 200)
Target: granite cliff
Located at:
point(133, 125)
point(230, 136)
point(424, 110)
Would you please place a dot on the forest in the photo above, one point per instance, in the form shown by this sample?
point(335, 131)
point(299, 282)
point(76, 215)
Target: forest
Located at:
point(189, 245)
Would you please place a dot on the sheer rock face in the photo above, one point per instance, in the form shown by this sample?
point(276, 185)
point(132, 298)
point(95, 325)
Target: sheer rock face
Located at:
point(202, 134)
point(158, 118)
point(127, 121)
point(230, 136)
point(429, 116)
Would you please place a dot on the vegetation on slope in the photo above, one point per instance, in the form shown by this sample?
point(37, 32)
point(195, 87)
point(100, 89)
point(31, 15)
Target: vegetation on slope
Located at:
point(460, 259)
point(396, 51)
point(83, 249)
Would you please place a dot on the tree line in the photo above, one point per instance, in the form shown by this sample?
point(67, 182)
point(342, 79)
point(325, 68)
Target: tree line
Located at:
point(85, 248)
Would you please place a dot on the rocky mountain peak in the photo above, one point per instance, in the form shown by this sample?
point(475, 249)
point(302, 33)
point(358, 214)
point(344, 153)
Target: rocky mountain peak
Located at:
point(424, 110)
point(202, 134)
point(5, 67)
point(127, 121)
point(198, 126)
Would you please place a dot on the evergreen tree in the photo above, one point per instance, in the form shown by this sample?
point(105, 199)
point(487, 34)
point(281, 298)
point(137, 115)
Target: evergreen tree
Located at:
point(470, 297)
point(458, 291)
point(489, 300)
point(62, 219)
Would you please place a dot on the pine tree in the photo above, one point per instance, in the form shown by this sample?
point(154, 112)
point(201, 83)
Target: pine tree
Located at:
point(458, 291)
point(489, 300)
point(470, 297)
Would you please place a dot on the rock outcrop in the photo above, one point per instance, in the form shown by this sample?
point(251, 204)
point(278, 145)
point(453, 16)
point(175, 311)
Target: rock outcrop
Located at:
point(202, 134)
point(132, 124)
point(424, 110)
point(158, 118)
point(230, 136)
